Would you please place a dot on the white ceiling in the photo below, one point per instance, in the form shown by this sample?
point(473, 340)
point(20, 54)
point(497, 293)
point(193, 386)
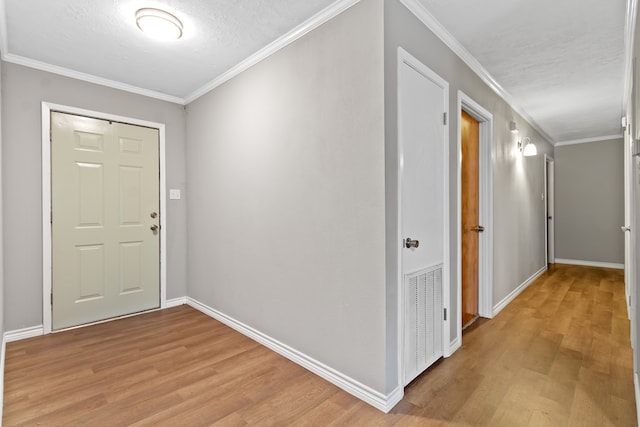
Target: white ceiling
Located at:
point(562, 62)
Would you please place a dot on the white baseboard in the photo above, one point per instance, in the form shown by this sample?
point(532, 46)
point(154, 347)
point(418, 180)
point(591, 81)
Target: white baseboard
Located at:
point(590, 263)
point(23, 334)
point(453, 347)
point(3, 353)
point(374, 398)
point(636, 383)
point(517, 291)
point(175, 302)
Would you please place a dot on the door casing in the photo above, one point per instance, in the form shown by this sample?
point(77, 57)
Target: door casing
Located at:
point(47, 107)
point(485, 244)
point(405, 57)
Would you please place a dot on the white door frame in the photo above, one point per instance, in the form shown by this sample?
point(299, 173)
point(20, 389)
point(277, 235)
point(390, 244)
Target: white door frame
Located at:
point(549, 180)
point(406, 58)
point(47, 107)
point(485, 241)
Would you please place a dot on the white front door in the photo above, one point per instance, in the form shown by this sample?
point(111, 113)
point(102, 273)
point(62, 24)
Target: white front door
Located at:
point(104, 219)
point(422, 103)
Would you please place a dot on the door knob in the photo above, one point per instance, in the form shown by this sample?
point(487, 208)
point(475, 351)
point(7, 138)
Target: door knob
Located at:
point(625, 228)
point(154, 214)
point(409, 243)
point(478, 228)
point(154, 228)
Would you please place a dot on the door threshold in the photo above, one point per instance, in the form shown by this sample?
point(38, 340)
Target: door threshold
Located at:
point(471, 322)
point(111, 319)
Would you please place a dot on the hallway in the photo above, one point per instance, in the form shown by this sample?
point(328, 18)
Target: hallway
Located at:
point(558, 355)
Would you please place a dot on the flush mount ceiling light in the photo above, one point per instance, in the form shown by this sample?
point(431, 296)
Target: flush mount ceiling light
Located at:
point(159, 24)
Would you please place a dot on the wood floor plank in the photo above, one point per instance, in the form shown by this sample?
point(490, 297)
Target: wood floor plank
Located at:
point(558, 355)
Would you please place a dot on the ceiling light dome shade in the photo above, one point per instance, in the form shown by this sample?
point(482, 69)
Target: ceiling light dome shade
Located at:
point(159, 24)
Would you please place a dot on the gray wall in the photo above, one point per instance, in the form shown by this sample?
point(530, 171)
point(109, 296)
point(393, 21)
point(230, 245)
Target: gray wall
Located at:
point(589, 201)
point(518, 232)
point(286, 196)
point(23, 90)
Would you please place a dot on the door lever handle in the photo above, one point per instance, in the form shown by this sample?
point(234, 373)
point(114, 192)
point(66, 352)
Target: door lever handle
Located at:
point(409, 243)
point(154, 228)
point(625, 228)
point(478, 228)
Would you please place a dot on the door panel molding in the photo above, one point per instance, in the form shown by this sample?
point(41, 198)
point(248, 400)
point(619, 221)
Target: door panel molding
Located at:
point(47, 108)
point(485, 246)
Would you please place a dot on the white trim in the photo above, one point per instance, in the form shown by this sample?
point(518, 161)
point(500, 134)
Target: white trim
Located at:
point(309, 25)
point(4, 41)
point(3, 355)
point(421, 12)
point(629, 36)
point(47, 107)
point(605, 138)
point(455, 345)
point(176, 302)
point(410, 60)
point(636, 384)
point(376, 399)
point(23, 334)
point(485, 147)
point(590, 263)
point(38, 65)
point(517, 291)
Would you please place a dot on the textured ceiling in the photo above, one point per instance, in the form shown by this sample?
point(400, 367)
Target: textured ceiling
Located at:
point(100, 37)
point(562, 61)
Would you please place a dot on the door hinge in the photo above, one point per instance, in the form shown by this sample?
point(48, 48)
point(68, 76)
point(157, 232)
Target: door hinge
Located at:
point(51, 217)
point(444, 119)
point(51, 298)
point(445, 314)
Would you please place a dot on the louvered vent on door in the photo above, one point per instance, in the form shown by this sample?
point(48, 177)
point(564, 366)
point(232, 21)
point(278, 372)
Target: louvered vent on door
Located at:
point(424, 318)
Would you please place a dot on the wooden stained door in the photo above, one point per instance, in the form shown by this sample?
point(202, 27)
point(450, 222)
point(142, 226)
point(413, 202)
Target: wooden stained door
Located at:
point(104, 219)
point(470, 134)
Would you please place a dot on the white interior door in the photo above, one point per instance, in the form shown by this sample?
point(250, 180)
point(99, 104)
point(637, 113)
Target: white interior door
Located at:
point(422, 106)
point(551, 256)
point(104, 219)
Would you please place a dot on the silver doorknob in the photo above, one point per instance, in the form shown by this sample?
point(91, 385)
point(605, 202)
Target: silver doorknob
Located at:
point(625, 228)
point(409, 243)
point(154, 228)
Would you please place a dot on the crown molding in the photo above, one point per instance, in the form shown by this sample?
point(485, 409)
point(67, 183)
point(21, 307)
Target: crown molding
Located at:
point(311, 24)
point(629, 36)
point(452, 43)
point(587, 140)
point(43, 66)
point(4, 42)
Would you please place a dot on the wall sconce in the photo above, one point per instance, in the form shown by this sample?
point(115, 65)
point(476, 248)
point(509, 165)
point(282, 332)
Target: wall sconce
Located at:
point(525, 146)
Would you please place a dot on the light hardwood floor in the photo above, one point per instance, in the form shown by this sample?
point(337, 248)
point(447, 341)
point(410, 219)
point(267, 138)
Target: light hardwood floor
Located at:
point(558, 355)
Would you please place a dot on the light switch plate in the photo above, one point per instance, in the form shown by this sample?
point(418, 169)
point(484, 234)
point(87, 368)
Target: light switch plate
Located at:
point(174, 194)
